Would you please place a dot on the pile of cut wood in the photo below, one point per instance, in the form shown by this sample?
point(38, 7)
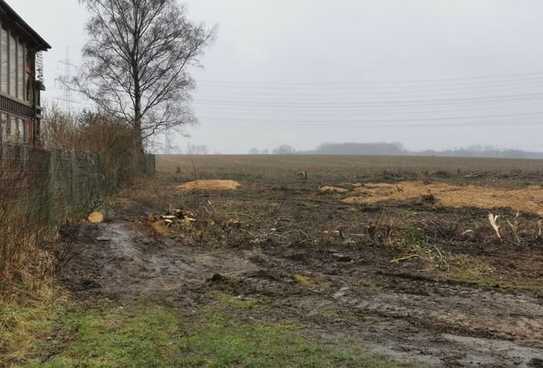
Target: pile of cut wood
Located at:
point(173, 218)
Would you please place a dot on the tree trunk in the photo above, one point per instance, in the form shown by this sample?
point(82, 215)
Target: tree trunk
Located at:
point(139, 154)
point(139, 149)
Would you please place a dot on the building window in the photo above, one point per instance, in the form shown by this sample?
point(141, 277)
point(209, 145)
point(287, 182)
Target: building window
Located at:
point(4, 83)
point(14, 130)
point(12, 66)
point(23, 138)
point(20, 69)
point(4, 127)
point(29, 131)
point(10, 130)
point(28, 75)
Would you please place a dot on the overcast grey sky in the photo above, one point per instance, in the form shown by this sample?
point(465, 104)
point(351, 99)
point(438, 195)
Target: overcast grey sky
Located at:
point(427, 73)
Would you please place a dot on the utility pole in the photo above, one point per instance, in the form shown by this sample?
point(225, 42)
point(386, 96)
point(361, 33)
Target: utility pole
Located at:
point(64, 79)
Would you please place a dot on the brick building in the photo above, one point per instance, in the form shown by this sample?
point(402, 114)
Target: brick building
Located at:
point(21, 79)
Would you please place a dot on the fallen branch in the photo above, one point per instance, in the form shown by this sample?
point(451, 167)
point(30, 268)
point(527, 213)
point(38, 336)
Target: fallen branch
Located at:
point(406, 258)
point(494, 223)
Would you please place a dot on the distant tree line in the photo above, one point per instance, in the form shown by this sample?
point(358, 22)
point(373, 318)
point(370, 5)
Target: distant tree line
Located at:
point(350, 148)
point(283, 149)
point(397, 149)
point(483, 151)
point(337, 149)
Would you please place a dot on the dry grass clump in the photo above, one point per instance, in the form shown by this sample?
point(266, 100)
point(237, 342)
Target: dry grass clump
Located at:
point(24, 323)
point(25, 265)
point(529, 199)
point(27, 289)
point(209, 185)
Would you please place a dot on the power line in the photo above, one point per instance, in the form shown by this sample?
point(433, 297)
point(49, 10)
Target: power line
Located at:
point(321, 103)
point(489, 77)
point(495, 98)
point(385, 121)
point(300, 124)
point(341, 115)
point(325, 106)
point(250, 96)
point(439, 126)
point(366, 94)
point(361, 87)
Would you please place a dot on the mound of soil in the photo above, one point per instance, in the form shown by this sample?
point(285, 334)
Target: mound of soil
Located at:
point(209, 185)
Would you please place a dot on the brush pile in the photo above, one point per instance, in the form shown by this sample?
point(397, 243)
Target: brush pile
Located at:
point(172, 219)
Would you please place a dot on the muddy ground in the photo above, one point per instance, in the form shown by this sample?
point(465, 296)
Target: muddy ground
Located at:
point(412, 280)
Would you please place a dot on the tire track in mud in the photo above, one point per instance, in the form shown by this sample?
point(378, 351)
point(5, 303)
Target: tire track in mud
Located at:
point(422, 320)
point(393, 325)
point(479, 314)
point(116, 260)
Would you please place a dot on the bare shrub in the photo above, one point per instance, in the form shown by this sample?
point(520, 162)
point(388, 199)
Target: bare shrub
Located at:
point(520, 230)
point(25, 264)
point(60, 130)
point(381, 232)
point(98, 133)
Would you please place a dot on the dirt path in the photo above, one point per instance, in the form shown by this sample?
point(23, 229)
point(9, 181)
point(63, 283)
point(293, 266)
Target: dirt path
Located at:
point(332, 293)
point(115, 260)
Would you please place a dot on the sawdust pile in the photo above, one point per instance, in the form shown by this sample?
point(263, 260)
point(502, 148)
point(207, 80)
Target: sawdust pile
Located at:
point(209, 185)
point(528, 199)
point(96, 217)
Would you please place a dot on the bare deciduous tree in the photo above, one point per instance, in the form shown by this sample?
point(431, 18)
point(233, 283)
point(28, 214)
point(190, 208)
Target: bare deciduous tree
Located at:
point(284, 149)
point(137, 62)
point(197, 149)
